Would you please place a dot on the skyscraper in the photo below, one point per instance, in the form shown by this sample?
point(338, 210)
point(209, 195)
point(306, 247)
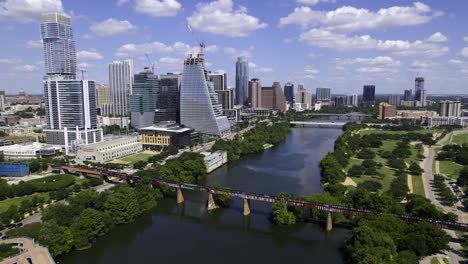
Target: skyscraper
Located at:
point(323, 94)
point(255, 93)
point(352, 100)
point(394, 100)
point(408, 95)
point(199, 107)
point(242, 81)
point(418, 87)
point(143, 100)
point(70, 104)
point(120, 83)
point(103, 99)
point(303, 97)
point(225, 96)
point(368, 95)
point(167, 105)
point(289, 93)
point(273, 97)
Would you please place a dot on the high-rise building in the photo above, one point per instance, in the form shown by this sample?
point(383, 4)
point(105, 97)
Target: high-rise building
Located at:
point(2, 100)
point(225, 96)
point(103, 99)
point(422, 99)
point(368, 95)
point(323, 94)
point(418, 87)
point(199, 106)
point(120, 83)
point(70, 104)
point(352, 100)
point(408, 95)
point(176, 77)
point(242, 81)
point(144, 97)
point(289, 93)
point(167, 104)
point(394, 100)
point(386, 111)
point(450, 108)
point(273, 97)
point(340, 100)
point(255, 93)
point(303, 97)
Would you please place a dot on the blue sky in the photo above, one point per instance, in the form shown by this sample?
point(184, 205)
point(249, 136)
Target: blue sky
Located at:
point(321, 43)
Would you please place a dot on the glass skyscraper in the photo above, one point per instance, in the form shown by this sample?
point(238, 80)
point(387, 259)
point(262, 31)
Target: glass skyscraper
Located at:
point(120, 83)
point(199, 107)
point(143, 101)
point(242, 81)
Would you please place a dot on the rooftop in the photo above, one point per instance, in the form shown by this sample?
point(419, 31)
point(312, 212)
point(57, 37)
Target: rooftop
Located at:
point(167, 126)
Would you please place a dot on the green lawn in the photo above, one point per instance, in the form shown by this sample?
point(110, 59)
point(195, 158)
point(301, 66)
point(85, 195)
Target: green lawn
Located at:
point(5, 204)
point(460, 139)
point(450, 168)
point(378, 131)
point(136, 157)
point(418, 187)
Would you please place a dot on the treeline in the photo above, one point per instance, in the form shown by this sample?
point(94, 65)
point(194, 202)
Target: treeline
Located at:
point(89, 215)
point(254, 140)
point(165, 152)
point(444, 191)
point(455, 153)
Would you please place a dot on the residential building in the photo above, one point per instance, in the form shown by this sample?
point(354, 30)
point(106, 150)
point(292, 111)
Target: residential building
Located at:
point(226, 98)
point(273, 97)
point(450, 108)
point(242, 81)
point(225, 94)
point(199, 106)
point(415, 114)
point(340, 100)
point(368, 95)
point(386, 111)
point(446, 121)
point(2, 101)
point(167, 133)
point(323, 95)
point(408, 95)
point(109, 149)
point(408, 103)
point(103, 99)
point(394, 100)
point(289, 93)
point(255, 93)
point(120, 83)
point(28, 150)
point(303, 97)
point(143, 100)
point(352, 100)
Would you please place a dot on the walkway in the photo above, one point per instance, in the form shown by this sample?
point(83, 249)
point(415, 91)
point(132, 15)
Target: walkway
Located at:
point(30, 252)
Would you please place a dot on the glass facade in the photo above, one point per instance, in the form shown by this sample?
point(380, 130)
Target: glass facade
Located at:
point(143, 100)
point(120, 83)
point(168, 101)
point(199, 107)
point(242, 81)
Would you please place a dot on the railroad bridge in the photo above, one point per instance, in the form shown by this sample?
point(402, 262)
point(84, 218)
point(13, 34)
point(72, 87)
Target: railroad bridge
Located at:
point(248, 196)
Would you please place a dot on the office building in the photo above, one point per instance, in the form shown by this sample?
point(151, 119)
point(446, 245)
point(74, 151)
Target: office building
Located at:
point(422, 101)
point(368, 95)
point(120, 83)
point(226, 98)
point(110, 149)
point(242, 81)
point(103, 99)
point(418, 87)
point(289, 93)
point(219, 80)
point(167, 104)
point(255, 93)
point(28, 150)
point(176, 77)
point(143, 100)
point(70, 103)
point(199, 106)
point(352, 100)
point(273, 98)
point(340, 100)
point(323, 95)
point(167, 133)
point(450, 108)
point(408, 95)
point(394, 100)
point(303, 97)
point(386, 111)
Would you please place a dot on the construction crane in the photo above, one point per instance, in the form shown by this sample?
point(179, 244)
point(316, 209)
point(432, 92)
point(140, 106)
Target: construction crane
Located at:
point(201, 43)
point(151, 63)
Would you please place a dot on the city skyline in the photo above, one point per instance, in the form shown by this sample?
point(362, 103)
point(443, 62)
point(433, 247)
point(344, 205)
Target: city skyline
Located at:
point(343, 54)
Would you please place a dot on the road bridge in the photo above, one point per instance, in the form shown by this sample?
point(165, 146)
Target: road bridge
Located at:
point(317, 124)
point(348, 116)
point(248, 196)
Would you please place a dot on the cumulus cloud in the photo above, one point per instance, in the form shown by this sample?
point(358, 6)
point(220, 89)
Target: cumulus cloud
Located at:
point(10, 61)
point(33, 44)
point(122, 2)
point(111, 27)
point(131, 49)
point(263, 69)
point(350, 19)
point(454, 61)
point(465, 38)
point(311, 70)
point(437, 37)
point(219, 17)
point(88, 55)
point(464, 52)
point(28, 10)
point(313, 2)
point(379, 64)
point(158, 8)
point(234, 53)
point(327, 39)
point(27, 68)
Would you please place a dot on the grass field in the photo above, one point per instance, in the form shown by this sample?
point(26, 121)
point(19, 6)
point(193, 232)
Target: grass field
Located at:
point(418, 187)
point(376, 131)
point(450, 168)
point(5, 204)
point(460, 139)
point(136, 157)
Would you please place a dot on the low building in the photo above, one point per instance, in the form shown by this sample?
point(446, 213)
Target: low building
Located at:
point(259, 112)
point(122, 122)
point(14, 169)
point(415, 114)
point(446, 121)
point(386, 111)
point(167, 133)
point(110, 149)
point(29, 150)
point(215, 160)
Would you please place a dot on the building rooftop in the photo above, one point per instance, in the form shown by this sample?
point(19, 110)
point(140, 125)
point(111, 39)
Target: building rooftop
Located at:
point(29, 146)
point(167, 126)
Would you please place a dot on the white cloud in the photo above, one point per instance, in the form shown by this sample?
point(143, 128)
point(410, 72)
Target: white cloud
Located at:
point(234, 53)
point(263, 69)
point(219, 17)
point(169, 60)
point(349, 18)
point(87, 36)
point(131, 49)
point(328, 39)
point(252, 65)
point(32, 44)
point(458, 62)
point(158, 8)
point(27, 68)
point(10, 61)
point(377, 61)
point(313, 2)
point(170, 63)
point(111, 27)
point(464, 52)
point(28, 10)
point(465, 38)
point(419, 65)
point(88, 55)
point(122, 2)
point(84, 65)
point(437, 37)
point(311, 70)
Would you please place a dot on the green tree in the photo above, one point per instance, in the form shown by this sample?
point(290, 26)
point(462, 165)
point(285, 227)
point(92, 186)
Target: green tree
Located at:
point(58, 239)
point(90, 225)
point(146, 195)
point(122, 204)
point(371, 186)
point(281, 215)
point(415, 169)
point(356, 170)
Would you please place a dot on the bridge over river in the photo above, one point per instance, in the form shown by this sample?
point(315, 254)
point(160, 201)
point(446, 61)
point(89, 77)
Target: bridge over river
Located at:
point(247, 196)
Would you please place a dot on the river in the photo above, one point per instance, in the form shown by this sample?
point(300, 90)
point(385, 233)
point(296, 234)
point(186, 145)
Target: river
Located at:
point(171, 233)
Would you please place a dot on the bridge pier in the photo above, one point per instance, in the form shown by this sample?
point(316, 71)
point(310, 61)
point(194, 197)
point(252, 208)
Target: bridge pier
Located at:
point(246, 207)
point(329, 221)
point(180, 196)
point(211, 202)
